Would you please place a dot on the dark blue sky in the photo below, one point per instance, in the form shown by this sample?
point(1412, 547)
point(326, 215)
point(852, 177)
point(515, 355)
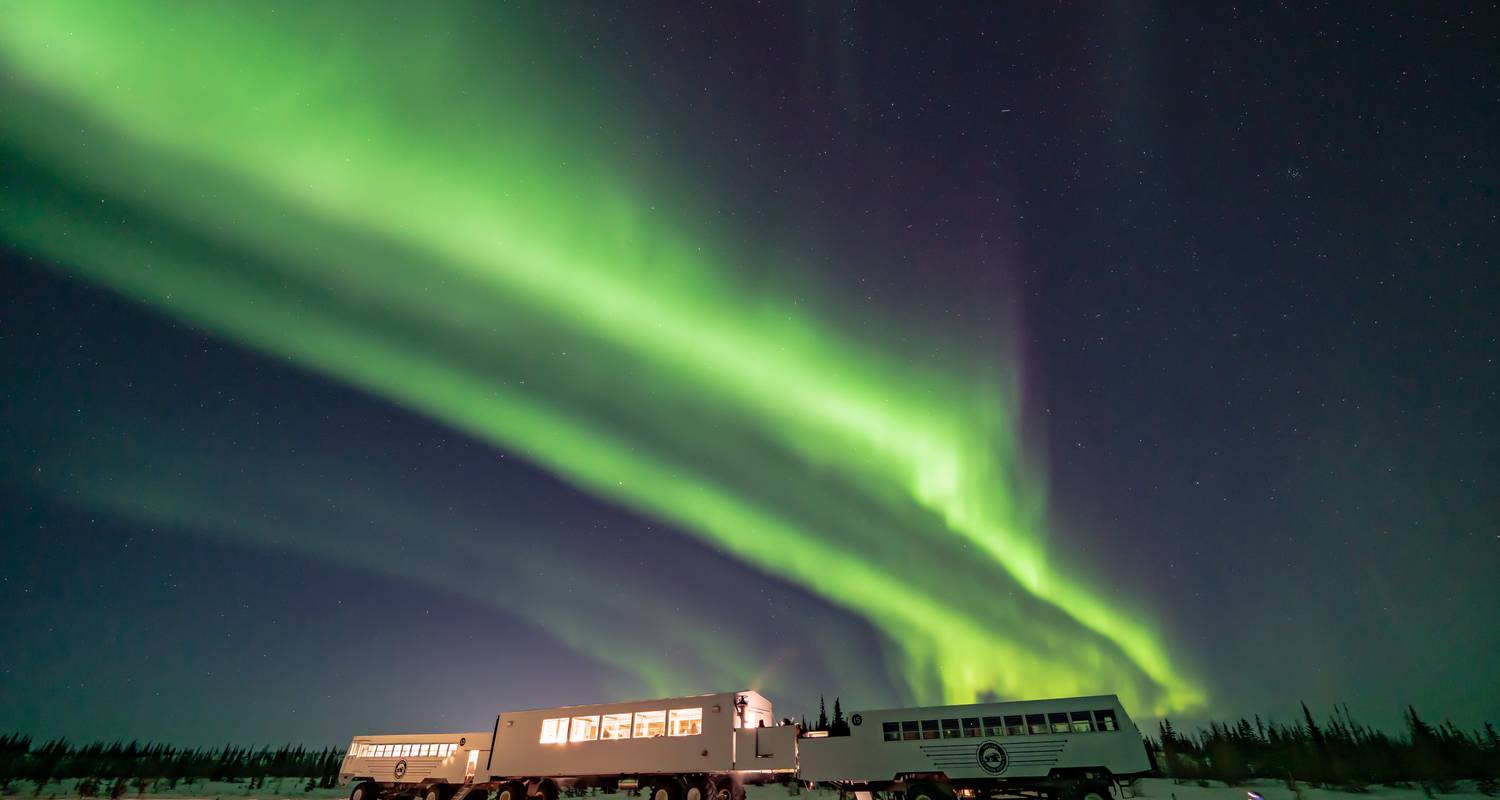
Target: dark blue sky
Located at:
point(1247, 256)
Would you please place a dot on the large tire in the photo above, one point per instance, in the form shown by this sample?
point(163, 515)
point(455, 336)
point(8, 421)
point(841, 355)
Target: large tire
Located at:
point(928, 791)
point(515, 790)
point(547, 790)
point(436, 791)
point(702, 789)
point(364, 791)
point(1090, 791)
point(667, 789)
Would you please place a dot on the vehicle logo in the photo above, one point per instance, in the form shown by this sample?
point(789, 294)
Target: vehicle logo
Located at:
point(400, 768)
point(856, 719)
point(992, 758)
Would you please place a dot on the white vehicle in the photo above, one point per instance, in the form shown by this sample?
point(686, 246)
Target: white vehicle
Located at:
point(685, 748)
point(708, 747)
point(1070, 748)
point(412, 764)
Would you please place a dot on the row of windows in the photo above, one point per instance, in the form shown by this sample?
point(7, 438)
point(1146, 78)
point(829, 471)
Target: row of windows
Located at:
point(1010, 725)
point(644, 725)
point(366, 750)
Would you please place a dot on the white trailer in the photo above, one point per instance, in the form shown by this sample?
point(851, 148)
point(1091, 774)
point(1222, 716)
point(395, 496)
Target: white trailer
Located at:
point(702, 747)
point(1068, 748)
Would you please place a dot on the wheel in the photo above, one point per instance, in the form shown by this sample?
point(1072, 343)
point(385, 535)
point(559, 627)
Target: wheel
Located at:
point(1090, 791)
point(667, 789)
point(547, 790)
point(436, 791)
point(515, 790)
point(365, 791)
point(928, 791)
point(704, 789)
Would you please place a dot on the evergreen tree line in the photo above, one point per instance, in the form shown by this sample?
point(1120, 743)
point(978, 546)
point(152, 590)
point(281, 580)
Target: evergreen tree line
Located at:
point(1339, 753)
point(112, 770)
point(838, 726)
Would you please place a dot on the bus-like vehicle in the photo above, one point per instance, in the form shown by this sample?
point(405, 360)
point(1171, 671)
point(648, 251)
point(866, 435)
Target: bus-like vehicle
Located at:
point(709, 747)
point(1068, 748)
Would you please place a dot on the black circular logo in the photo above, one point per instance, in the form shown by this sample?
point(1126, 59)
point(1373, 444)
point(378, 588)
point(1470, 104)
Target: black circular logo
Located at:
point(992, 758)
point(461, 741)
point(400, 768)
point(856, 719)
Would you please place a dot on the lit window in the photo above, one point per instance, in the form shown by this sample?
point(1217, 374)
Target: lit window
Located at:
point(930, 729)
point(685, 722)
point(554, 731)
point(1059, 721)
point(615, 726)
point(909, 731)
point(1105, 720)
point(1036, 724)
point(448, 749)
point(1015, 725)
point(951, 729)
point(1081, 723)
point(892, 731)
point(971, 727)
point(650, 724)
point(993, 727)
point(386, 750)
point(585, 729)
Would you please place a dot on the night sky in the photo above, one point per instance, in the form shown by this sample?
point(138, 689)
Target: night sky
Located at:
point(374, 370)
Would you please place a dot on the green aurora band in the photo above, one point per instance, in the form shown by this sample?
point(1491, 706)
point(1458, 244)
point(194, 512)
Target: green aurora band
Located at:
point(359, 203)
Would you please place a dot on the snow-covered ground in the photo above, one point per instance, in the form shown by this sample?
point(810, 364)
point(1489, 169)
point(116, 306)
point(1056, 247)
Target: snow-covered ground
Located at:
point(1150, 789)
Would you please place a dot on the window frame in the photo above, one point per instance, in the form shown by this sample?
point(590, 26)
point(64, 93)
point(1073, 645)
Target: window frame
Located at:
point(643, 721)
point(554, 731)
point(590, 725)
point(624, 730)
point(687, 715)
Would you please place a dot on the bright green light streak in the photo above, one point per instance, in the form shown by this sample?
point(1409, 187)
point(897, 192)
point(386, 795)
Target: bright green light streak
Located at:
point(492, 199)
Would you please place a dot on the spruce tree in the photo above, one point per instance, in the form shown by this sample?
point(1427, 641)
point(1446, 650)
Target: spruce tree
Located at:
point(840, 726)
point(822, 716)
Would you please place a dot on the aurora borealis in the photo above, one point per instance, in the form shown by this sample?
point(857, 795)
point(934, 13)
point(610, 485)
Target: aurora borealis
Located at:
point(450, 215)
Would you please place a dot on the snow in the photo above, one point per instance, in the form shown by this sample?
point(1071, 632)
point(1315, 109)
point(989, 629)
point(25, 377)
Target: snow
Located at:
point(1149, 789)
